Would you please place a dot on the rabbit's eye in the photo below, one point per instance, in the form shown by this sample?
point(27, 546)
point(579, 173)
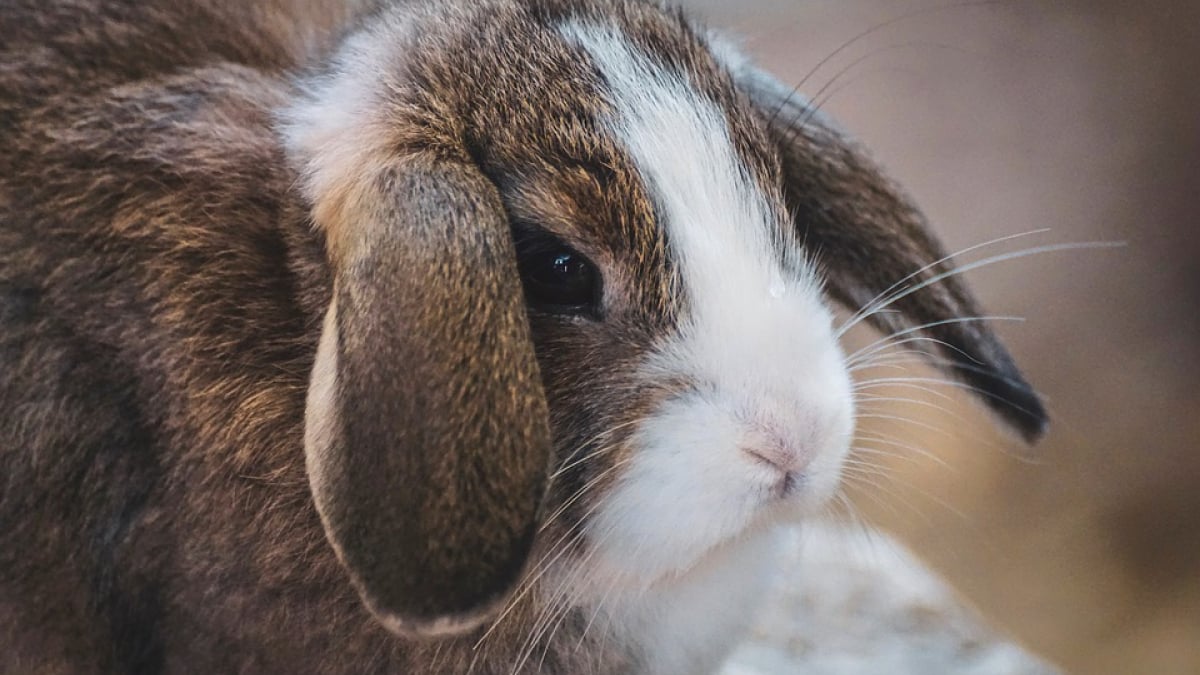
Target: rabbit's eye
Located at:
point(556, 278)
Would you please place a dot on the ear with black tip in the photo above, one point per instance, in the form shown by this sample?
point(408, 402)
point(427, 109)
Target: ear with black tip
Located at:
point(874, 243)
point(427, 438)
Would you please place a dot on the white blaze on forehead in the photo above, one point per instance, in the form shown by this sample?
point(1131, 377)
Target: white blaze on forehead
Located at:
point(745, 278)
point(715, 216)
point(680, 141)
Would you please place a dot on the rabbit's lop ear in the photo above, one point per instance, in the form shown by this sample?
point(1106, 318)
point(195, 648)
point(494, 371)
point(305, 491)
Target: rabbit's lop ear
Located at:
point(877, 254)
point(427, 438)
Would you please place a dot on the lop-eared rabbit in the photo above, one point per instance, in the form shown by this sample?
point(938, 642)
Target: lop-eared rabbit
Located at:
point(454, 336)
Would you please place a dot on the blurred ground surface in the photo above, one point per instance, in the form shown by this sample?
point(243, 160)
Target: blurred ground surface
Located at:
point(857, 605)
point(1004, 117)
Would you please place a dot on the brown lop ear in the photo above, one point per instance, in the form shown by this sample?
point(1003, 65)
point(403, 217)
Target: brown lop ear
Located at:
point(873, 243)
point(427, 439)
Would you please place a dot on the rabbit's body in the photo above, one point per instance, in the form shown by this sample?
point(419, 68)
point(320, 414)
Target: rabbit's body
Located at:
point(164, 293)
point(133, 246)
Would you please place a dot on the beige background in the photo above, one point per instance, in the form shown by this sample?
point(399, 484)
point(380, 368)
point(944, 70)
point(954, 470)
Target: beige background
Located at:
point(1004, 117)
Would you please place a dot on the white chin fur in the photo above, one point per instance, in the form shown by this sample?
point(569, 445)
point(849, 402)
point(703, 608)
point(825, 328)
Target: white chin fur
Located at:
point(690, 625)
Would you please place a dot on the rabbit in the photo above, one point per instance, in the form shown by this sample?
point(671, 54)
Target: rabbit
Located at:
point(485, 336)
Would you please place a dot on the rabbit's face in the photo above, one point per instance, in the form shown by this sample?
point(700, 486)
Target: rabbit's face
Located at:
point(694, 383)
point(703, 388)
point(573, 247)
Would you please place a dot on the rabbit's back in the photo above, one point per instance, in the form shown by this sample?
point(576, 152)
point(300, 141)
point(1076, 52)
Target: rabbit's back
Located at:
point(53, 47)
point(161, 295)
point(155, 330)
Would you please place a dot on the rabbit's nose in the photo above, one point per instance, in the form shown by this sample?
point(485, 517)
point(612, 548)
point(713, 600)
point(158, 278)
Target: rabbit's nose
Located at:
point(773, 449)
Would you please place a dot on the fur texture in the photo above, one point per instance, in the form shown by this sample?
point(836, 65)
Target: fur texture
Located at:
point(272, 401)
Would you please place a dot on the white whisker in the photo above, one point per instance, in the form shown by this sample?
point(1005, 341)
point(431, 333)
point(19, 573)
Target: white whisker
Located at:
point(962, 269)
point(857, 316)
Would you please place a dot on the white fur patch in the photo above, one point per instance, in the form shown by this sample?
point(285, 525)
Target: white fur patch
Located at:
point(336, 131)
point(773, 395)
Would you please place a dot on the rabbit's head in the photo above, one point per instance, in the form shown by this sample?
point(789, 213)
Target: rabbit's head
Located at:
point(583, 257)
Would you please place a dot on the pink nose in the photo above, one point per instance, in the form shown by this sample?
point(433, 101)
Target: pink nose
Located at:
point(770, 447)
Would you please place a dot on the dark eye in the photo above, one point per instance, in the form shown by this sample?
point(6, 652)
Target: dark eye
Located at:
point(557, 278)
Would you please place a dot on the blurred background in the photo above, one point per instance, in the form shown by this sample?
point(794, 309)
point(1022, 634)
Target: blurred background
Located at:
point(1082, 116)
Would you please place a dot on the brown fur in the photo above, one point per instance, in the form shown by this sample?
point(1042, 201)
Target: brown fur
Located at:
point(163, 290)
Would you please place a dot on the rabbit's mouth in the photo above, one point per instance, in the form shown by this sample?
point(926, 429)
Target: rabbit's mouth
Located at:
point(703, 474)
